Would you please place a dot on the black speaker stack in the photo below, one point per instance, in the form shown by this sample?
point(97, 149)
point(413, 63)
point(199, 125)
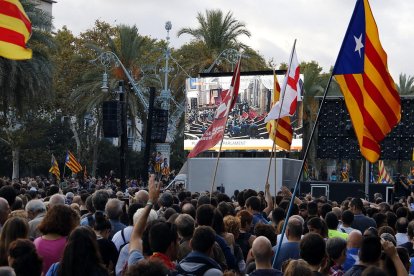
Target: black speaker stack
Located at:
point(159, 125)
point(111, 115)
point(337, 140)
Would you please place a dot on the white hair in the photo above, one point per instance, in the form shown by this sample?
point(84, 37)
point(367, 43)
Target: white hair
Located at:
point(35, 205)
point(151, 217)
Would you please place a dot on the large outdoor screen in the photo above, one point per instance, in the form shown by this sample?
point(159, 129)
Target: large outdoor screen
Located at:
point(246, 129)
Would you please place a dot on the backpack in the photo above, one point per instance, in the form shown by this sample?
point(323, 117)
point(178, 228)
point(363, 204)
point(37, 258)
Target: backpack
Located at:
point(123, 238)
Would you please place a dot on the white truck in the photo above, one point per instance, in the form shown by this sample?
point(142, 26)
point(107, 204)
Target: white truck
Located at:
point(237, 174)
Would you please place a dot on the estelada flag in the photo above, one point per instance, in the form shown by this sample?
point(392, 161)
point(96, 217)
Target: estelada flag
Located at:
point(370, 93)
point(215, 131)
point(72, 163)
point(15, 31)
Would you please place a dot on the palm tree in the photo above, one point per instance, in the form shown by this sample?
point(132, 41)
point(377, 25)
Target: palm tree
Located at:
point(127, 45)
point(405, 85)
point(24, 85)
point(216, 32)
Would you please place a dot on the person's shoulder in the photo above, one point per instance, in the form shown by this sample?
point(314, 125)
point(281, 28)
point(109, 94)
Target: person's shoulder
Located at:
point(213, 272)
point(266, 272)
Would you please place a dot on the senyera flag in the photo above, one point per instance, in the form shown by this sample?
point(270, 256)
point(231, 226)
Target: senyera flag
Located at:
point(15, 31)
point(215, 132)
point(286, 106)
point(362, 73)
point(280, 131)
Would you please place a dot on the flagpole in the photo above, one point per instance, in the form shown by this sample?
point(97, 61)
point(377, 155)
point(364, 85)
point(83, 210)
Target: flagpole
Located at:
point(222, 137)
point(301, 170)
point(277, 121)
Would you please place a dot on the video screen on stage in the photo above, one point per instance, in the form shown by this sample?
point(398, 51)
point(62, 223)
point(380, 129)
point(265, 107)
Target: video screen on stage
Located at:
point(246, 129)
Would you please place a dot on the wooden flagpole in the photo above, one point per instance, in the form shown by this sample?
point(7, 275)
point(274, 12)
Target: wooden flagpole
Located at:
point(222, 137)
point(301, 169)
point(277, 121)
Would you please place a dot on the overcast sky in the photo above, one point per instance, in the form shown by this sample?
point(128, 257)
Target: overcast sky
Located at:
point(318, 25)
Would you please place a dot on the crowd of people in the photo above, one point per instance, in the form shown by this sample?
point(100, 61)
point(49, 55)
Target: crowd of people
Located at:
point(99, 230)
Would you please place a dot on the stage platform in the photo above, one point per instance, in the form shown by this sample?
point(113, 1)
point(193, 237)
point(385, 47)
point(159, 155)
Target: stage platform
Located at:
point(339, 191)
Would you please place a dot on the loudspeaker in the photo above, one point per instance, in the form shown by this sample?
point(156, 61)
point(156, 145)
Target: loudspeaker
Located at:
point(159, 125)
point(111, 119)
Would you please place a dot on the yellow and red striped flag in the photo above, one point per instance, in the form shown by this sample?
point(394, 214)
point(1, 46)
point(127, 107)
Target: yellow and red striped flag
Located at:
point(362, 73)
point(54, 169)
point(384, 177)
point(72, 163)
point(283, 134)
point(15, 31)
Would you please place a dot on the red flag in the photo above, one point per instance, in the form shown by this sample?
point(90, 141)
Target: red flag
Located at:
point(215, 131)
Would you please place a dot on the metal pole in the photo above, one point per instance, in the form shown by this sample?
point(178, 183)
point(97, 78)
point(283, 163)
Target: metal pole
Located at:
point(124, 135)
point(149, 130)
point(301, 170)
point(367, 175)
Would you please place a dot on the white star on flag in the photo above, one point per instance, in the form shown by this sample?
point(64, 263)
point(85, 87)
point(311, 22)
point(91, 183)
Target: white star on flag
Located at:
point(358, 44)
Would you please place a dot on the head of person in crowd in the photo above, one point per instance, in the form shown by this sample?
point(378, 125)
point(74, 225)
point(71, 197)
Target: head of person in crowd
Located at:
point(205, 199)
point(336, 250)
point(294, 229)
point(69, 198)
point(59, 220)
point(313, 251)
point(384, 207)
point(232, 225)
point(331, 221)
point(303, 210)
point(185, 226)
point(24, 259)
point(297, 268)
point(410, 231)
point(262, 251)
point(370, 251)
point(56, 199)
point(347, 218)
point(317, 225)
point(53, 189)
point(266, 230)
point(386, 229)
point(166, 200)
point(189, 209)
point(131, 211)
point(391, 219)
point(374, 271)
point(388, 237)
point(218, 224)
point(253, 205)
point(4, 211)
point(356, 206)
point(240, 200)
point(278, 215)
point(312, 209)
point(163, 238)
point(226, 208)
point(102, 226)
point(380, 219)
point(203, 240)
point(138, 213)
point(14, 228)
point(325, 208)
point(205, 215)
point(89, 205)
point(169, 212)
point(99, 200)
point(8, 193)
point(113, 209)
point(34, 208)
point(147, 268)
point(401, 225)
point(354, 239)
point(18, 204)
point(81, 255)
point(141, 197)
point(371, 232)
point(246, 220)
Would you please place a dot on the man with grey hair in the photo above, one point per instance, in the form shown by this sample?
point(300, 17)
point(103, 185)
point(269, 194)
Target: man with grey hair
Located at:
point(56, 199)
point(263, 256)
point(7, 271)
point(36, 211)
point(290, 249)
point(113, 210)
point(4, 211)
point(141, 197)
point(185, 228)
